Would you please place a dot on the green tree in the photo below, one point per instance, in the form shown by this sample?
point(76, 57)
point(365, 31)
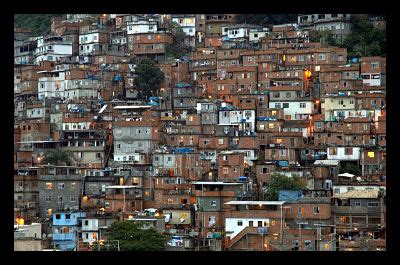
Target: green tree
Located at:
point(266, 19)
point(351, 168)
point(177, 48)
point(365, 40)
point(282, 182)
point(132, 237)
point(39, 24)
point(148, 78)
point(57, 158)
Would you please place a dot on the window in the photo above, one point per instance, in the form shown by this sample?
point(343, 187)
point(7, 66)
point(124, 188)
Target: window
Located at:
point(225, 158)
point(58, 216)
point(240, 223)
point(61, 185)
point(72, 198)
point(321, 56)
point(300, 210)
point(251, 223)
point(302, 105)
point(374, 65)
point(49, 185)
point(220, 141)
point(285, 105)
point(372, 204)
point(277, 105)
point(357, 203)
point(333, 151)
point(316, 210)
point(225, 170)
point(211, 220)
point(48, 198)
point(213, 203)
point(264, 170)
point(371, 154)
point(348, 151)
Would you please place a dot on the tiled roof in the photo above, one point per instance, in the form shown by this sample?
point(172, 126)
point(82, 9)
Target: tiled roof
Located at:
point(358, 194)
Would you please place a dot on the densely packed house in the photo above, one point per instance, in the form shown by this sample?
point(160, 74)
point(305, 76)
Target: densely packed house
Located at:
point(195, 160)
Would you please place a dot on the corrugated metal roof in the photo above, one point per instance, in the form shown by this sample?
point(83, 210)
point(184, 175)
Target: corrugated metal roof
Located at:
point(327, 162)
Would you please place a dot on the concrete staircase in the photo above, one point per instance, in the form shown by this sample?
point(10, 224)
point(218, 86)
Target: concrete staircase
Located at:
point(241, 234)
point(82, 246)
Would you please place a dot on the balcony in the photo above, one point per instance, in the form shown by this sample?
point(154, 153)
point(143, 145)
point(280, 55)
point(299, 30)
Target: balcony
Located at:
point(350, 210)
point(64, 237)
point(221, 193)
point(178, 192)
point(121, 196)
point(177, 206)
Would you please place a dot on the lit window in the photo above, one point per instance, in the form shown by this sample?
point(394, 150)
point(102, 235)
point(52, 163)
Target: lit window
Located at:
point(371, 154)
point(49, 185)
point(270, 125)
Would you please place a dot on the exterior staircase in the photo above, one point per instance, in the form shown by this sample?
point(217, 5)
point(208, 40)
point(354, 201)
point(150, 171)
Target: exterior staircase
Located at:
point(241, 234)
point(82, 246)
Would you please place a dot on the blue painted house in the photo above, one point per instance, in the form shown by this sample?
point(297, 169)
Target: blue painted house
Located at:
point(65, 228)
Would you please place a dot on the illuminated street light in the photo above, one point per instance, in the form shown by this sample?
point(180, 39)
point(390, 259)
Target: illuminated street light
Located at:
point(307, 73)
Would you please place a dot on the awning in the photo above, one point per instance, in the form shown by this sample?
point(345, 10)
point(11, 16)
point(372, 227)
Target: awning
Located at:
point(215, 183)
point(346, 175)
point(327, 162)
point(255, 203)
point(121, 187)
point(132, 107)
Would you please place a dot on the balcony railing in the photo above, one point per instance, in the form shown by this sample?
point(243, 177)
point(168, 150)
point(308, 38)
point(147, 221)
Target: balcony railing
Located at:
point(64, 237)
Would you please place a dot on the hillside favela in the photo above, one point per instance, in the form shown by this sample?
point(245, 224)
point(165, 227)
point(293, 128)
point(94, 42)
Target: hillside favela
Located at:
point(199, 132)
